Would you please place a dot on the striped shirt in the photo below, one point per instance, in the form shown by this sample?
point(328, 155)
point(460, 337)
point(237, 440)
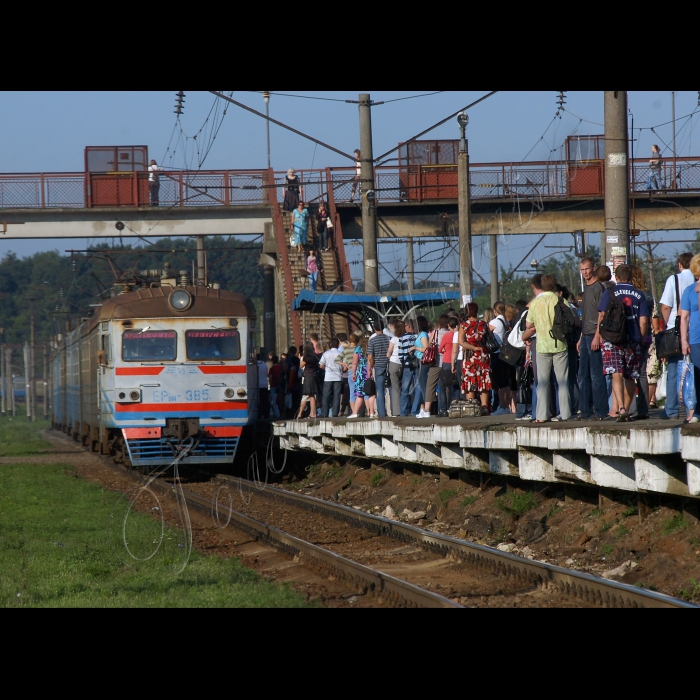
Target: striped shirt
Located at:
point(378, 346)
point(405, 344)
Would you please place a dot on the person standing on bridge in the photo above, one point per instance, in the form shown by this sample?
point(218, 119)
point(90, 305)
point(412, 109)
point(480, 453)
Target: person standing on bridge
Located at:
point(358, 174)
point(322, 226)
point(300, 217)
point(153, 183)
point(654, 169)
point(291, 192)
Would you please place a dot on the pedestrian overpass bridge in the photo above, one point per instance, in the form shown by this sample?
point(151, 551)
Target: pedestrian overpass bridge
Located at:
point(537, 197)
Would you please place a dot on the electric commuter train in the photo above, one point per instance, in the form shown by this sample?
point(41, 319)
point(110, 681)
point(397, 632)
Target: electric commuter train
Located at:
point(160, 370)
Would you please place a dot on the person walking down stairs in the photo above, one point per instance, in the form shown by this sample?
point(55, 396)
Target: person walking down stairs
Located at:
point(291, 192)
point(300, 218)
point(312, 269)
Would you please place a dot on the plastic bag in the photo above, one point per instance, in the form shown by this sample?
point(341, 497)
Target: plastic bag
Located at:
point(686, 384)
point(661, 384)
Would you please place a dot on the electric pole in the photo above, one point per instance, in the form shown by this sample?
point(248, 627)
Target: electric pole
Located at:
point(266, 96)
point(410, 270)
point(493, 254)
point(464, 203)
point(3, 375)
point(369, 199)
point(617, 195)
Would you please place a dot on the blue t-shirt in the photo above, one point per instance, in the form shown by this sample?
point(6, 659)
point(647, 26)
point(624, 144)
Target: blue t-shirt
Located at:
point(417, 342)
point(636, 302)
point(689, 302)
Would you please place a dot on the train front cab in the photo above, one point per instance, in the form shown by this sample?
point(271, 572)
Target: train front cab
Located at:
point(178, 384)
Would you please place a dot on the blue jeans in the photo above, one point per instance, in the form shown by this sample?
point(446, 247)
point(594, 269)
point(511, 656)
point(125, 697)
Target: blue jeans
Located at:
point(672, 406)
point(313, 281)
point(407, 381)
point(380, 381)
point(593, 392)
point(421, 384)
point(653, 179)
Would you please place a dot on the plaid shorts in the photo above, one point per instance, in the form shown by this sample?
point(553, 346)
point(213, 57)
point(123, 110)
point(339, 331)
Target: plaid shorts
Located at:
point(622, 359)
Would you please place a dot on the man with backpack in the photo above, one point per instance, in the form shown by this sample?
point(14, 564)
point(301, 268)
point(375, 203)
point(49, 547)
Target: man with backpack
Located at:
point(623, 322)
point(552, 320)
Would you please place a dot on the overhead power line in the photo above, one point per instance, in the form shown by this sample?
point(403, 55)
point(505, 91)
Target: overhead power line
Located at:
point(283, 125)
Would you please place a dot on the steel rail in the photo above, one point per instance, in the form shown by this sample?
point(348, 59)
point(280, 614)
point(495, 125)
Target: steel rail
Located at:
point(590, 589)
point(394, 590)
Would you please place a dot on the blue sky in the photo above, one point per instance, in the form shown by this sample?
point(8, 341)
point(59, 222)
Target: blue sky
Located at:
point(48, 131)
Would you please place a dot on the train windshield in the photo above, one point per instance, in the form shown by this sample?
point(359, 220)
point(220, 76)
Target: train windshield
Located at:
point(213, 345)
point(153, 346)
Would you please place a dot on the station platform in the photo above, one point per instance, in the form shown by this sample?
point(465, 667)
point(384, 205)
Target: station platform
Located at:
point(656, 456)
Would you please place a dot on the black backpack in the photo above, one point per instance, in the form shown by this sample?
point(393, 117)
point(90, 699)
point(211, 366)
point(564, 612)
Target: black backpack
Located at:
point(613, 327)
point(564, 324)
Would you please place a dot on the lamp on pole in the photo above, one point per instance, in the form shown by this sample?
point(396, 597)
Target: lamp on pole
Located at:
point(266, 97)
point(464, 204)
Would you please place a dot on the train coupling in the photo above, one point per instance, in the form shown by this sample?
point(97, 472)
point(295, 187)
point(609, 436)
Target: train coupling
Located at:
point(181, 428)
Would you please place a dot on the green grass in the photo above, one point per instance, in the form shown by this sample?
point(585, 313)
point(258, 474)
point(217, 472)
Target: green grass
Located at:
point(54, 552)
point(677, 522)
point(606, 549)
point(605, 527)
point(517, 503)
point(595, 513)
point(376, 479)
point(622, 531)
point(468, 500)
point(19, 437)
point(691, 593)
point(632, 510)
point(446, 494)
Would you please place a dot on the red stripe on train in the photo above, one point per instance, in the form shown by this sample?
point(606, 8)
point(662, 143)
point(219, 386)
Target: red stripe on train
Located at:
point(222, 431)
point(134, 371)
point(135, 433)
point(167, 407)
point(222, 369)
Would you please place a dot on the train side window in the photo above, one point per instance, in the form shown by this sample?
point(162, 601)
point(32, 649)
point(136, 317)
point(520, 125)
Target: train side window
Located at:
point(154, 346)
point(213, 345)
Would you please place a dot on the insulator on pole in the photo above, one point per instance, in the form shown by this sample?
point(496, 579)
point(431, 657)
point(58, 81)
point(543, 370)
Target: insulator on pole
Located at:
point(179, 102)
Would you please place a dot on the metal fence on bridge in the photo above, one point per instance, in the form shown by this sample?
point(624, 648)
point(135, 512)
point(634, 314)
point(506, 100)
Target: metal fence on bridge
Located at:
point(408, 183)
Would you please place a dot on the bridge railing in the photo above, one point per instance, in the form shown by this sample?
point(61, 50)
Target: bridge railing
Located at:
point(516, 181)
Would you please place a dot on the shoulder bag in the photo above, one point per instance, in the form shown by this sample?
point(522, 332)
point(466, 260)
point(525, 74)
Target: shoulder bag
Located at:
point(668, 342)
point(431, 351)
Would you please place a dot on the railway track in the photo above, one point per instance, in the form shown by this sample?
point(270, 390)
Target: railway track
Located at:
point(585, 588)
point(392, 590)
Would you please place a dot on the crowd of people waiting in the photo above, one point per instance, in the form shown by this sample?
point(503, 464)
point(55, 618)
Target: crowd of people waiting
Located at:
point(555, 357)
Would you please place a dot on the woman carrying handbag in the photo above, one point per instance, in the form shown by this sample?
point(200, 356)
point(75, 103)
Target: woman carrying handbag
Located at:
point(430, 371)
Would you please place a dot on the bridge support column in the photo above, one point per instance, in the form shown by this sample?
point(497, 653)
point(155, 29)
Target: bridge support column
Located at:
point(410, 266)
point(617, 191)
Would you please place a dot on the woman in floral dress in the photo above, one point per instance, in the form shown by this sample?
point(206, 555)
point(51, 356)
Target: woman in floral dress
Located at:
point(476, 364)
point(360, 372)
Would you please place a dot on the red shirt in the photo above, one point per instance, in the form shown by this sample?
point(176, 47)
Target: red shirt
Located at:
point(445, 348)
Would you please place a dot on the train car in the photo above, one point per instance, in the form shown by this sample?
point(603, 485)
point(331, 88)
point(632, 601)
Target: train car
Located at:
point(159, 371)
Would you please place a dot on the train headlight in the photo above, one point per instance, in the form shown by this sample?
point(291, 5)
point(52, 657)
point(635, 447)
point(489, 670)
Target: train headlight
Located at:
point(180, 300)
point(242, 392)
point(228, 393)
point(134, 395)
point(128, 395)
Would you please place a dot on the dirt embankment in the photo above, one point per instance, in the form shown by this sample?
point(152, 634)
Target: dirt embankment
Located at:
point(659, 549)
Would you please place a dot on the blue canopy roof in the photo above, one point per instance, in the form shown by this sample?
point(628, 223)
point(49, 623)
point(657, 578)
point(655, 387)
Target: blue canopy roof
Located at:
point(336, 302)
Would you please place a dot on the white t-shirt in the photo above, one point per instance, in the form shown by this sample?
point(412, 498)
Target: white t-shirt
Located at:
point(455, 340)
point(685, 279)
point(394, 357)
point(498, 326)
point(334, 371)
point(153, 173)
